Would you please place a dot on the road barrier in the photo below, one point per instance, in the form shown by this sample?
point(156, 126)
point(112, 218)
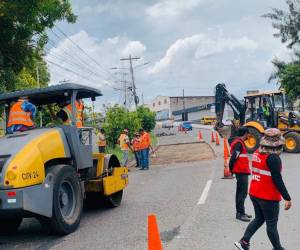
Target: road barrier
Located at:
point(227, 174)
point(212, 136)
point(154, 242)
point(217, 139)
point(200, 137)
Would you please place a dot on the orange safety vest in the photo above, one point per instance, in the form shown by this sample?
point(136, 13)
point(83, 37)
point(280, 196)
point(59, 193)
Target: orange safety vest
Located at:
point(101, 143)
point(17, 116)
point(136, 143)
point(79, 114)
point(145, 141)
point(122, 140)
point(262, 185)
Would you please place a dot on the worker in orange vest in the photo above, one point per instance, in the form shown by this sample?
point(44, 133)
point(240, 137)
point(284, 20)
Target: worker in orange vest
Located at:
point(239, 165)
point(125, 146)
point(136, 144)
point(267, 189)
point(101, 141)
point(21, 115)
point(145, 147)
point(66, 113)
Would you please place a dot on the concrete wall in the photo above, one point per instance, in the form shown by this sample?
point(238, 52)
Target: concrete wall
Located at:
point(176, 103)
point(160, 103)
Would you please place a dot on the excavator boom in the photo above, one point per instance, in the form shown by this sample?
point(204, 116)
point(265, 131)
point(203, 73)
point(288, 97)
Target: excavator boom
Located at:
point(222, 97)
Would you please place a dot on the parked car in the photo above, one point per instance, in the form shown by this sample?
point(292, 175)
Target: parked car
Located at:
point(208, 120)
point(187, 126)
point(167, 124)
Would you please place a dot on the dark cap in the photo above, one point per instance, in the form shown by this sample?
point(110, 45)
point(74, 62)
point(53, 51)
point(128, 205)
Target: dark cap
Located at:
point(242, 131)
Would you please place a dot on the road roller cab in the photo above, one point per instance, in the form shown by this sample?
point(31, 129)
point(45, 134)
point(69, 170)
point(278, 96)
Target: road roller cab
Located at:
point(50, 172)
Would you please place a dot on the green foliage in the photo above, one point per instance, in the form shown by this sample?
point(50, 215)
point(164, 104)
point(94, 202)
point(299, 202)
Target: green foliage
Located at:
point(25, 22)
point(147, 118)
point(289, 78)
point(117, 119)
point(287, 22)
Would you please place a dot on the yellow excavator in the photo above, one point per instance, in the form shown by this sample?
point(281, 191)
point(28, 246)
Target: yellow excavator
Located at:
point(48, 173)
point(251, 113)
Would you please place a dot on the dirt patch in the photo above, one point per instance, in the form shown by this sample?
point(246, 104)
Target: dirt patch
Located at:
point(185, 152)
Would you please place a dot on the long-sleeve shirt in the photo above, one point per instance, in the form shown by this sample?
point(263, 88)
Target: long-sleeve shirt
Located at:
point(27, 107)
point(236, 151)
point(274, 164)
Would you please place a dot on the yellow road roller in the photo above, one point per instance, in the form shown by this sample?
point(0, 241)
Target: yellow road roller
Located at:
point(50, 172)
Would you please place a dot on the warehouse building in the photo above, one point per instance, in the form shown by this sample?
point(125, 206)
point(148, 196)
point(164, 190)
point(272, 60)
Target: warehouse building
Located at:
point(178, 108)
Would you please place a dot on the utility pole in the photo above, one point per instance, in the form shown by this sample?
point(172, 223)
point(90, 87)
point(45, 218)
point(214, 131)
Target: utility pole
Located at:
point(136, 99)
point(183, 104)
point(37, 76)
point(38, 85)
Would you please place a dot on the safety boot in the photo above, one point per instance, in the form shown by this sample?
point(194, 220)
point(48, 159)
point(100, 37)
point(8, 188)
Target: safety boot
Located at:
point(242, 217)
point(242, 245)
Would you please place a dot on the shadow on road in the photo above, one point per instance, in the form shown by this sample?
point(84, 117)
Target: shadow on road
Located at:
point(31, 235)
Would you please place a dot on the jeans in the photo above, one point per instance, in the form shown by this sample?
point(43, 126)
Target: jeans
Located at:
point(241, 192)
point(145, 158)
point(137, 158)
point(265, 211)
point(101, 149)
point(125, 158)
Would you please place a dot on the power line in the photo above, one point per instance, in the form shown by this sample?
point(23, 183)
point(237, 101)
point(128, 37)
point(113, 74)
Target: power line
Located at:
point(78, 58)
point(83, 51)
point(83, 77)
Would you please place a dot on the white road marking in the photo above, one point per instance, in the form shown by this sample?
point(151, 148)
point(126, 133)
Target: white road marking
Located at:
point(205, 193)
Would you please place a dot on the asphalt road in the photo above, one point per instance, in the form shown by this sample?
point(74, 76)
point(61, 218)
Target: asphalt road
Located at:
point(172, 193)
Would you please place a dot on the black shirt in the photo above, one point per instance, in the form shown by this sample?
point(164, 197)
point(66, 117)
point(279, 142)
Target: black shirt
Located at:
point(274, 164)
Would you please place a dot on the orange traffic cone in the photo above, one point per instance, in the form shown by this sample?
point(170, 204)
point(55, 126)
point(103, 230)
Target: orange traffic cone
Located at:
point(217, 139)
point(227, 174)
point(200, 135)
point(154, 242)
point(212, 136)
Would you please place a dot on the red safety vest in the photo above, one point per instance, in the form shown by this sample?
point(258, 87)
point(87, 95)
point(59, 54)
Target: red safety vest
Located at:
point(262, 185)
point(241, 165)
point(17, 116)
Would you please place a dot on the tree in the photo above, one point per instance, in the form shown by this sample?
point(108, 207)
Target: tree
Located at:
point(117, 119)
point(24, 37)
point(147, 118)
point(25, 22)
point(287, 22)
point(289, 78)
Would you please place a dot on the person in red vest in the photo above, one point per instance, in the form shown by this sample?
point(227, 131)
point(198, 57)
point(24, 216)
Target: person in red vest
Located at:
point(239, 165)
point(267, 189)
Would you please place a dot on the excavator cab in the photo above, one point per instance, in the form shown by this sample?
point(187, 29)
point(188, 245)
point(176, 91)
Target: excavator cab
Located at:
point(258, 111)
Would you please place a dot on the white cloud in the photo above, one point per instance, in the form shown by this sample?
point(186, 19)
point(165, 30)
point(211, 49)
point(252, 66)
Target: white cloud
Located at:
point(200, 46)
point(134, 48)
point(172, 8)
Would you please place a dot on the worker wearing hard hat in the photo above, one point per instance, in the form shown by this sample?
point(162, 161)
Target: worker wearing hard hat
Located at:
point(21, 115)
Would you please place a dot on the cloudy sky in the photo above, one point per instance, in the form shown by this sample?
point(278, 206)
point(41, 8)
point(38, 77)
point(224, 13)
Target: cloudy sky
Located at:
point(190, 44)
